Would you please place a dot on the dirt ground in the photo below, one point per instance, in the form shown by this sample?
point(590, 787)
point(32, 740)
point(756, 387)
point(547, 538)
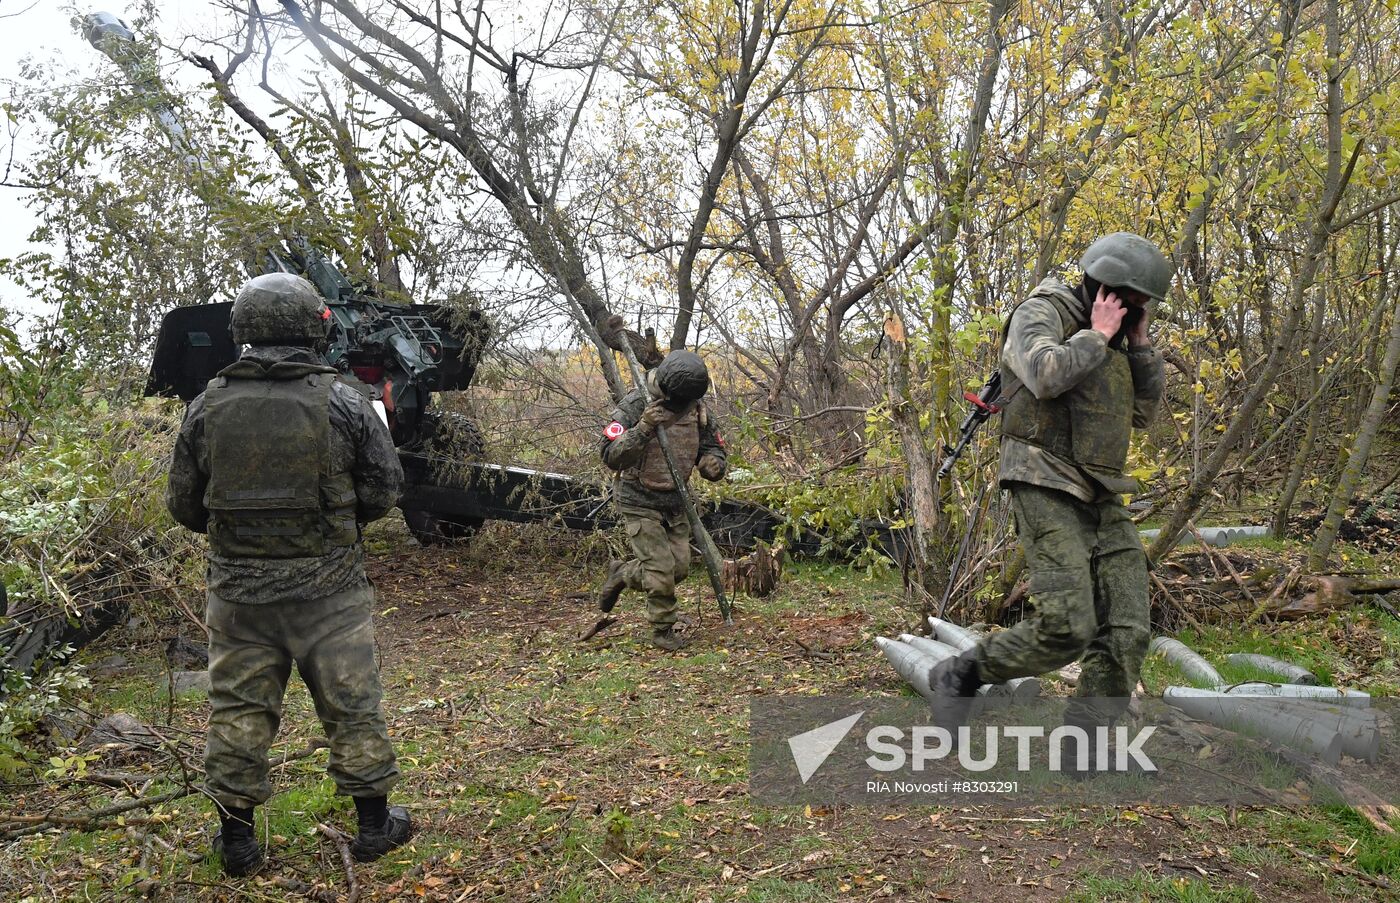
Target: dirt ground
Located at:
point(539, 768)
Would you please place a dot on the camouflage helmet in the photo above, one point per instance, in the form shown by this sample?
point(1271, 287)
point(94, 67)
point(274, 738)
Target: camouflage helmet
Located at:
point(279, 309)
point(1125, 260)
point(682, 377)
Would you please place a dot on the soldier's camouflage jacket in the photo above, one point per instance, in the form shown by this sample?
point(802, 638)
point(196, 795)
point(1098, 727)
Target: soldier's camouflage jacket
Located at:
point(359, 445)
point(1050, 349)
point(633, 452)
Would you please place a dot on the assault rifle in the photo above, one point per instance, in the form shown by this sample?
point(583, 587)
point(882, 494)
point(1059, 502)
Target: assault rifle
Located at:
point(984, 404)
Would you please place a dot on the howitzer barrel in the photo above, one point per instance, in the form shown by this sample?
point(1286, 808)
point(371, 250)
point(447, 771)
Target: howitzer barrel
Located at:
point(97, 27)
point(111, 36)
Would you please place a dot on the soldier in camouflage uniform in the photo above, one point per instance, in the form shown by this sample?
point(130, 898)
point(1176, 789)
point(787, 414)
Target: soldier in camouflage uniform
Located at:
point(648, 499)
point(279, 463)
point(1073, 394)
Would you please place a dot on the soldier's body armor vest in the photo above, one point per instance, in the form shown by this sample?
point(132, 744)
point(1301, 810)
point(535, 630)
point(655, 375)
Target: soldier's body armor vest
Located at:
point(684, 438)
point(1090, 425)
point(272, 492)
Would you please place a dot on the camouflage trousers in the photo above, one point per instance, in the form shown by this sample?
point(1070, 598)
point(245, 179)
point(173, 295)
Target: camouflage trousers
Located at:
point(1088, 582)
point(660, 558)
point(251, 652)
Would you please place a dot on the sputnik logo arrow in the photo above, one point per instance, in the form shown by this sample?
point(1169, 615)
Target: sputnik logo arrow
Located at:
point(811, 749)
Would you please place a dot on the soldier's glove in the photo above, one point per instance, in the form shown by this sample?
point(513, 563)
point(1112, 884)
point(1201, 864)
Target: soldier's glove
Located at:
point(712, 467)
point(657, 415)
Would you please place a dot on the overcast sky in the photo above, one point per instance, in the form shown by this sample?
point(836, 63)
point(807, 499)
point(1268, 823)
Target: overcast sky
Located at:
point(40, 30)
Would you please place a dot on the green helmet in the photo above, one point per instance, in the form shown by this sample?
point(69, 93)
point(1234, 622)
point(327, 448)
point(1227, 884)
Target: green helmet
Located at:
point(279, 309)
point(1125, 260)
point(683, 377)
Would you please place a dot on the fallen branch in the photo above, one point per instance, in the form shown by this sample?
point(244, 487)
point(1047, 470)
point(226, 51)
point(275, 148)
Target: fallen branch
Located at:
point(1373, 880)
point(35, 824)
point(297, 886)
point(585, 848)
point(1332, 592)
point(1170, 599)
point(1367, 585)
point(599, 626)
point(309, 750)
point(1272, 601)
point(342, 843)
point(1368, 805)
point(1225, 560)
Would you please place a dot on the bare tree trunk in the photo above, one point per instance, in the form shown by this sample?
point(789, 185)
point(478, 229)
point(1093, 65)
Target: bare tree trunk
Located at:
point(728, 139)
point(550, 236)
point(921, 488)
point(754, 56)
point(1304, 453)
point(1335, 183)
point(1360, 446)
point(306, 187)
point(381, 249)
point(929, 526)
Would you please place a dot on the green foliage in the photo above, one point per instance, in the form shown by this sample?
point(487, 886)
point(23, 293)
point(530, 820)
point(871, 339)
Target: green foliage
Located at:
point(83, 531)
point(24, 702)
point(832, 505)
point(617, 823)
point(1332, 829)
point(1154, 889)
point(118, 240)
point(91, 483)
point(34, 379)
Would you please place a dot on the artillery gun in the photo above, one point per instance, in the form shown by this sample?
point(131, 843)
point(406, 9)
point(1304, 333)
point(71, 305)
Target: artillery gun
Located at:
point(398, 355)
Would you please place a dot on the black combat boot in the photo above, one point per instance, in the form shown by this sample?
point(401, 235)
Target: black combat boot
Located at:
point(1091, 725)
point(954, 681)
point(1071, 746)
point(235, 844)
point(382, 828)
point(612, 587)
point(667, 638)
